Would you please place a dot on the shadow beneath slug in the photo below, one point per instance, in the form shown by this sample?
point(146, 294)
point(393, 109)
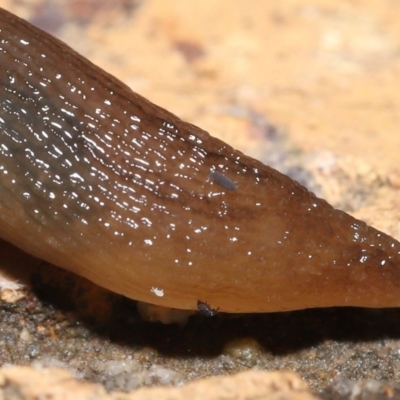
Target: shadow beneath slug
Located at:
point(114, 318)
point(285, 333)
point(276, 333)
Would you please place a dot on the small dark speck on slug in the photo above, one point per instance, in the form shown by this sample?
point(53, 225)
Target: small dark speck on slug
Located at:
point(206, 310)
point(222, 180)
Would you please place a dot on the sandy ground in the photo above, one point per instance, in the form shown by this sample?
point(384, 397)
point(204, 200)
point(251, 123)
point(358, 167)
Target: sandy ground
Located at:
point(309, 87)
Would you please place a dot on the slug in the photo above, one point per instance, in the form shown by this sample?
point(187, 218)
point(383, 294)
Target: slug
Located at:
point(98, 180)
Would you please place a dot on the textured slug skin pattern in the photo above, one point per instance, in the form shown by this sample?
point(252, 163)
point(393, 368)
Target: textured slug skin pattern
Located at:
point(96, 179)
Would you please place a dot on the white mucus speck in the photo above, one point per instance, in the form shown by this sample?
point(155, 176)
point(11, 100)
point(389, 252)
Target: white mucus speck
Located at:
point(157, 292)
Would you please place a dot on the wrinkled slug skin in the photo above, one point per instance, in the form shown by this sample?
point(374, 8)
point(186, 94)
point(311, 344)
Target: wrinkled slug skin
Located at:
point(96, 179)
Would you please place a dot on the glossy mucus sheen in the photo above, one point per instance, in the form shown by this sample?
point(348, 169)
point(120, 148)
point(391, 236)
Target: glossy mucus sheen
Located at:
point(98, 180)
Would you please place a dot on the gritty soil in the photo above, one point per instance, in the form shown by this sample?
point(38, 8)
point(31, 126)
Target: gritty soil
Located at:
point(308, 87)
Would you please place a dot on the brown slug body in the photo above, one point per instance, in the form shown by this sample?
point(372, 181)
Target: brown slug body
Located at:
point(96, 179)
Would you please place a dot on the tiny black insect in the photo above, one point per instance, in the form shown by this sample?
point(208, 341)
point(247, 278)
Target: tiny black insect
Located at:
point(222, 180)
point(205, 309)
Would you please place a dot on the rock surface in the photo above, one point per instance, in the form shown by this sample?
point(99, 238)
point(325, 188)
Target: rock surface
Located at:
point(24, 383)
